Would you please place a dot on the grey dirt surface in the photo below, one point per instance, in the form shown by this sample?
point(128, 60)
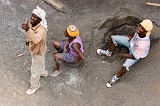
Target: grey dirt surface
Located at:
point(84, 85)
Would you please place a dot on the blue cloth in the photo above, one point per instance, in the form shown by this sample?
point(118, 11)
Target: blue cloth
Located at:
point(124, 41)
point(68, 57)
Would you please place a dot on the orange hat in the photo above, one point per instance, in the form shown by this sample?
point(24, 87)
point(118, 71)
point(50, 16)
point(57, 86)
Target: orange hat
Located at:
point(72, 31)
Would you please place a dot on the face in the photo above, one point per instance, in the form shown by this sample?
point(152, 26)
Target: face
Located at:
point(35, 20)
point(141, 31)
point(66, 33)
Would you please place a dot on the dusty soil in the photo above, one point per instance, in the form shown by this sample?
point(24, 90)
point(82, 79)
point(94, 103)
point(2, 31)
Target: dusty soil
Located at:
point(84, 85)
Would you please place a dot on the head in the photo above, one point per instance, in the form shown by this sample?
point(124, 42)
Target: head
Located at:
point(71, 31)
point(141, 31)
point(35, 20)
point(66, 33)
point(38, 16)
point(145, 28)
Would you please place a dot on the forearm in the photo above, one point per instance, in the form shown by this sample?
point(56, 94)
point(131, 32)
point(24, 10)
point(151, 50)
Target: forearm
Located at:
point(130, 56)
point(34, 37)
point(67, 43)
point(37, 35)
point(81, 56)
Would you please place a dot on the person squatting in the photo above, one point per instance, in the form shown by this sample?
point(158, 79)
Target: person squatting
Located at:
point(72, 49)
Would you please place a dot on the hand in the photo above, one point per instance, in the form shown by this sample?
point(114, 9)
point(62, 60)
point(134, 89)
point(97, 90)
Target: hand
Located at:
point(65, 50)
point(121, 56)
point(27, 43)
point(25, 25)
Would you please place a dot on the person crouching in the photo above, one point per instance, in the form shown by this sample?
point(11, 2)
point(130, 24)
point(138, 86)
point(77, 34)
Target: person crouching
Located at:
point(70, 50)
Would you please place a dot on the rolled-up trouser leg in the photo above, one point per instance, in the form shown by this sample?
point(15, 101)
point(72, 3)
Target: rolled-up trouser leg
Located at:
point(129, 62)
point(120, 40)
point(37, 67)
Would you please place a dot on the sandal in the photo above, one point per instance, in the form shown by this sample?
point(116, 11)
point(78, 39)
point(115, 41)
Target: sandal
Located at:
point(55, 74)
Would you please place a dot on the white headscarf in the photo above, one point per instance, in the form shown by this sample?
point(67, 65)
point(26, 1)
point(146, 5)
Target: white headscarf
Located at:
point(41, 14)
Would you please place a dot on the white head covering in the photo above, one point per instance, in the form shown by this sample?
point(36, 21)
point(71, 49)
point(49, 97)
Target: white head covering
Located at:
point(41, 14)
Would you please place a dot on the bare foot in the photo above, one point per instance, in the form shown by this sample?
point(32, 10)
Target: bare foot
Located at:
point(56, 73)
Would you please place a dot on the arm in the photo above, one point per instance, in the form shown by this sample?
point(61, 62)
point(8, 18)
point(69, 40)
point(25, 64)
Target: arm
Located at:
point(130, 56)
point(36, 37)
point(65, 47)
point(25, 25)
point(76, 48)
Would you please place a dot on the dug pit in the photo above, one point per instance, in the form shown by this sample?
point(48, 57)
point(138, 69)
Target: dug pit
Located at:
point(123, 26)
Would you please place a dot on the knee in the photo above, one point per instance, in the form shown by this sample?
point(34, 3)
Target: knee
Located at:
point(112, 37)
point(128, 63)
point(126, 67)
point(56, 57)
point(55, 44)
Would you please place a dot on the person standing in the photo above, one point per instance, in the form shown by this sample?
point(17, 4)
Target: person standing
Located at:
point(36, 31)
point(138, 46)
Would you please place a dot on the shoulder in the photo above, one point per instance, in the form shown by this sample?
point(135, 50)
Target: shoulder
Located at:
point(75, 44)
point(78, 39)
point(41, 29)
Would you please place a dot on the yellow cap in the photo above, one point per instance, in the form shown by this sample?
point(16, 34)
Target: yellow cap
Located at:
point(72, 31)
point(147, 25)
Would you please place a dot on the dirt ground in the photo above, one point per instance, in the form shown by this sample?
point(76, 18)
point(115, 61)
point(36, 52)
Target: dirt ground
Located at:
point(84, 85)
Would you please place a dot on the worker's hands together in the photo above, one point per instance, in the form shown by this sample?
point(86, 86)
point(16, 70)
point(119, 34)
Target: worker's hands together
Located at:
point(25, 25)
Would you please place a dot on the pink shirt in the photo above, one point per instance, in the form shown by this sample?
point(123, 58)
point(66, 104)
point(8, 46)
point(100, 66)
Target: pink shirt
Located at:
point(139, 47)
point(77, 40)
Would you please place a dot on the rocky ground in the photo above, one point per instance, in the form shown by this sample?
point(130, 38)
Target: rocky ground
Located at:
point(83, 85)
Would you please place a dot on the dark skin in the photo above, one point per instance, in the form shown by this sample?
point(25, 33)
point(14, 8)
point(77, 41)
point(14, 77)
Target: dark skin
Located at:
point(142, 33)
point(76, 47)
point(34, 21)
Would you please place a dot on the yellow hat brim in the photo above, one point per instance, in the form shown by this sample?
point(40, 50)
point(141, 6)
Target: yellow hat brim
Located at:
point(147, 25)
point(73, 34)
